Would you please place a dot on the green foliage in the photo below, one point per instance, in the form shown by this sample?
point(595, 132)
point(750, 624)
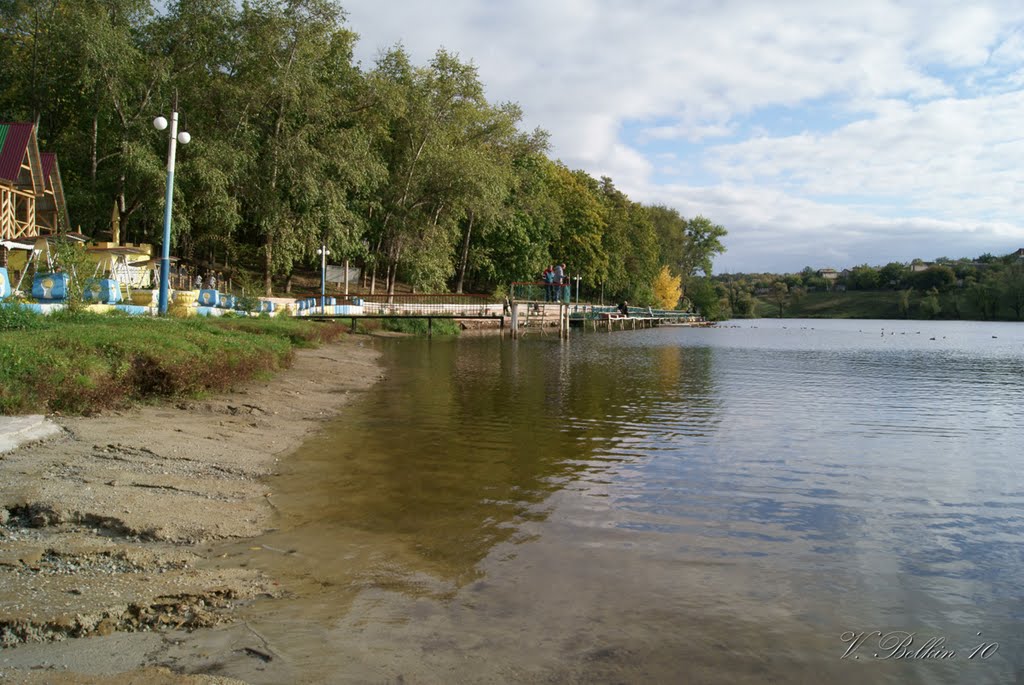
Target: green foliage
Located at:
point(406, 168)
point(904, 302)
point(864, 277)
point(707, 297)
point(939, 277)
point(1011, 284)
point(985, 297)
point(420, 326)
point(891, 275)
point(779, 295)
point(72, 260)
point(15, 318)
point(929, 305)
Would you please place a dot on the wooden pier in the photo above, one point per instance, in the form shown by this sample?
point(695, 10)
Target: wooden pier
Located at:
point(543, 315)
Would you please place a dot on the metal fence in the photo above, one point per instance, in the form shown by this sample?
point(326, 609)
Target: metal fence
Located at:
point(401, 299)
point(409, 304)
point(589, 312)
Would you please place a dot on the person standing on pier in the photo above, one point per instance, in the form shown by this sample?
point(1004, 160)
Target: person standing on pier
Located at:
point(559, 282)
point(549, 284)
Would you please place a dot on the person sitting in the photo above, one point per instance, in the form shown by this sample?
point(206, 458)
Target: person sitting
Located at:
point(624, 308)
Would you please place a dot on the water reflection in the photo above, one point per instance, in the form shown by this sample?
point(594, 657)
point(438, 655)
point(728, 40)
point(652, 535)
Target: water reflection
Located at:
point(740, 497)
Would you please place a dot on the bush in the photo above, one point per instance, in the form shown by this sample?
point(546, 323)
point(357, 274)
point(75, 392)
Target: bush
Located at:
point(15, 318)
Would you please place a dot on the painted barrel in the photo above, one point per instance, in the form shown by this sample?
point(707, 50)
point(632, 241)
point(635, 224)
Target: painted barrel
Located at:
point(5, 283)
point(266, 306)
point(101, 290)
point(50, 287)
point(208, 298)
point(227, 301)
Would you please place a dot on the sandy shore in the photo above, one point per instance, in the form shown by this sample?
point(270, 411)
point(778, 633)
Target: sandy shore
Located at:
point(102, 529)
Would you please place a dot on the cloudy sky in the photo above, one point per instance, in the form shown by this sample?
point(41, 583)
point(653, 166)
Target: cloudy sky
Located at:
point(821, 133)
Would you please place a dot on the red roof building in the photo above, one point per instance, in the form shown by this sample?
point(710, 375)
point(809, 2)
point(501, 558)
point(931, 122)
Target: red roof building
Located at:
point(31, 192)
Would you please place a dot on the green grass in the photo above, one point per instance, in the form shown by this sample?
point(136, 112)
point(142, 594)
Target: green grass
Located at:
point(76, 363)
point(419, 326)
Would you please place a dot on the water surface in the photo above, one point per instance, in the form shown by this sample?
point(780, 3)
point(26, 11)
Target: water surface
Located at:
point(730, 505)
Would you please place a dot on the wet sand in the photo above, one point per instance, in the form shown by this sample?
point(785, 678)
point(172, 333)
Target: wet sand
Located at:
point(106, 531)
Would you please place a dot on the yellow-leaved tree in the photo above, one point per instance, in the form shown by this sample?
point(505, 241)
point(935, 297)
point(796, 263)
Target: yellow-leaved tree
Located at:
point(667, 289)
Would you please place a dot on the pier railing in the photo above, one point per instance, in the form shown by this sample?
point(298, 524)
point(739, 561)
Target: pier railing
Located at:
point(589, 312)
point(412, 304)
point(539, 291)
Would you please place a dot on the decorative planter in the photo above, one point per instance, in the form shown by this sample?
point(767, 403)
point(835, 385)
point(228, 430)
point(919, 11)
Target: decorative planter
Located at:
point(146, 298)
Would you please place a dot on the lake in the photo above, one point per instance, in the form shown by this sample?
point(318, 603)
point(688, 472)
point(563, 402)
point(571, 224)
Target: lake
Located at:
point(790, 501)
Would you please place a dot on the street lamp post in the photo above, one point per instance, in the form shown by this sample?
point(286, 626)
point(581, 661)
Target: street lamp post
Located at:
point(577, 278)
point(323, 252)
point(160, 124)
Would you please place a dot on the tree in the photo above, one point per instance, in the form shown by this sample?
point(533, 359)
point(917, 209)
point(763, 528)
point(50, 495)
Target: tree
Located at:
point(688, 246)
point(91, 77)
point(667, 288)
point(930, 306)
point(579, 241)
point(630, 242)
point(704, 241)
point(706, 296)
point(985, 296)
point(1011, 284)
point(779, 295)
point(864, 277)
point(891, 275)
point(517, 246)
point(793, 280)
point(904, 302)
point(939, 277)
point(303, 156)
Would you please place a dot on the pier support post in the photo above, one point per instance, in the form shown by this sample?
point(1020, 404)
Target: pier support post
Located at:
point(515, 320)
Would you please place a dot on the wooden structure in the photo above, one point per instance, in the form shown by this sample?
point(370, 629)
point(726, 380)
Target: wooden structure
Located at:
point(31, 193)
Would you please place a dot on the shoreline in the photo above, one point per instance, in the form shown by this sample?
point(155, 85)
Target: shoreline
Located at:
point(104, 529)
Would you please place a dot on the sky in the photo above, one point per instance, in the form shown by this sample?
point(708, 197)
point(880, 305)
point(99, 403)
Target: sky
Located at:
point(825, 133)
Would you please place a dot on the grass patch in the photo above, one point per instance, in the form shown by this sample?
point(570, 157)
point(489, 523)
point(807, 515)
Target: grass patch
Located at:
point(419, 326)
point(79, 362)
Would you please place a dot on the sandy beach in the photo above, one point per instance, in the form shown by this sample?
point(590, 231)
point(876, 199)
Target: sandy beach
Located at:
point(106, 529)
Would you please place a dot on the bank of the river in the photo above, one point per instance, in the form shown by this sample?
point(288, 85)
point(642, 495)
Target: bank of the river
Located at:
point(873, 304)
point(104, 529)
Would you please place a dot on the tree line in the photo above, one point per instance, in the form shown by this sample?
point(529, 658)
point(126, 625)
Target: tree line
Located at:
point(406, 170)
point(986, 287)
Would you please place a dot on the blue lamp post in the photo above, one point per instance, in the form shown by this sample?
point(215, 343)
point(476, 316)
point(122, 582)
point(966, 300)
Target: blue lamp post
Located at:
point(323, 252)
point(165, 258)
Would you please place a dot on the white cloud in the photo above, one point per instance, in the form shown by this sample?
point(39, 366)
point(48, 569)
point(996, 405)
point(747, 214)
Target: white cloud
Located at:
point(698, 71)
